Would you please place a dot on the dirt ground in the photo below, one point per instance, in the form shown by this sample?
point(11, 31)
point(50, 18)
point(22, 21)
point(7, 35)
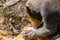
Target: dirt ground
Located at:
point(12, 19)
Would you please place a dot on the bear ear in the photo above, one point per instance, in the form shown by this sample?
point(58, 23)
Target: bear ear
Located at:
point(29, 5)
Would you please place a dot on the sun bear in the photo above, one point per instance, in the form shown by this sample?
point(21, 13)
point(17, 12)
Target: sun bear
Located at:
point(46, 10)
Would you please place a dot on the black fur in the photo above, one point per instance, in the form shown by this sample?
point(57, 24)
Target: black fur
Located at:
point(49, 11)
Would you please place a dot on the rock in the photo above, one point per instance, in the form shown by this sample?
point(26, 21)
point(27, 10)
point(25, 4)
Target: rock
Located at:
point(5, 33)
point(1, 37)
point(19, 37)
point(6, 38)
point(1, 18)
